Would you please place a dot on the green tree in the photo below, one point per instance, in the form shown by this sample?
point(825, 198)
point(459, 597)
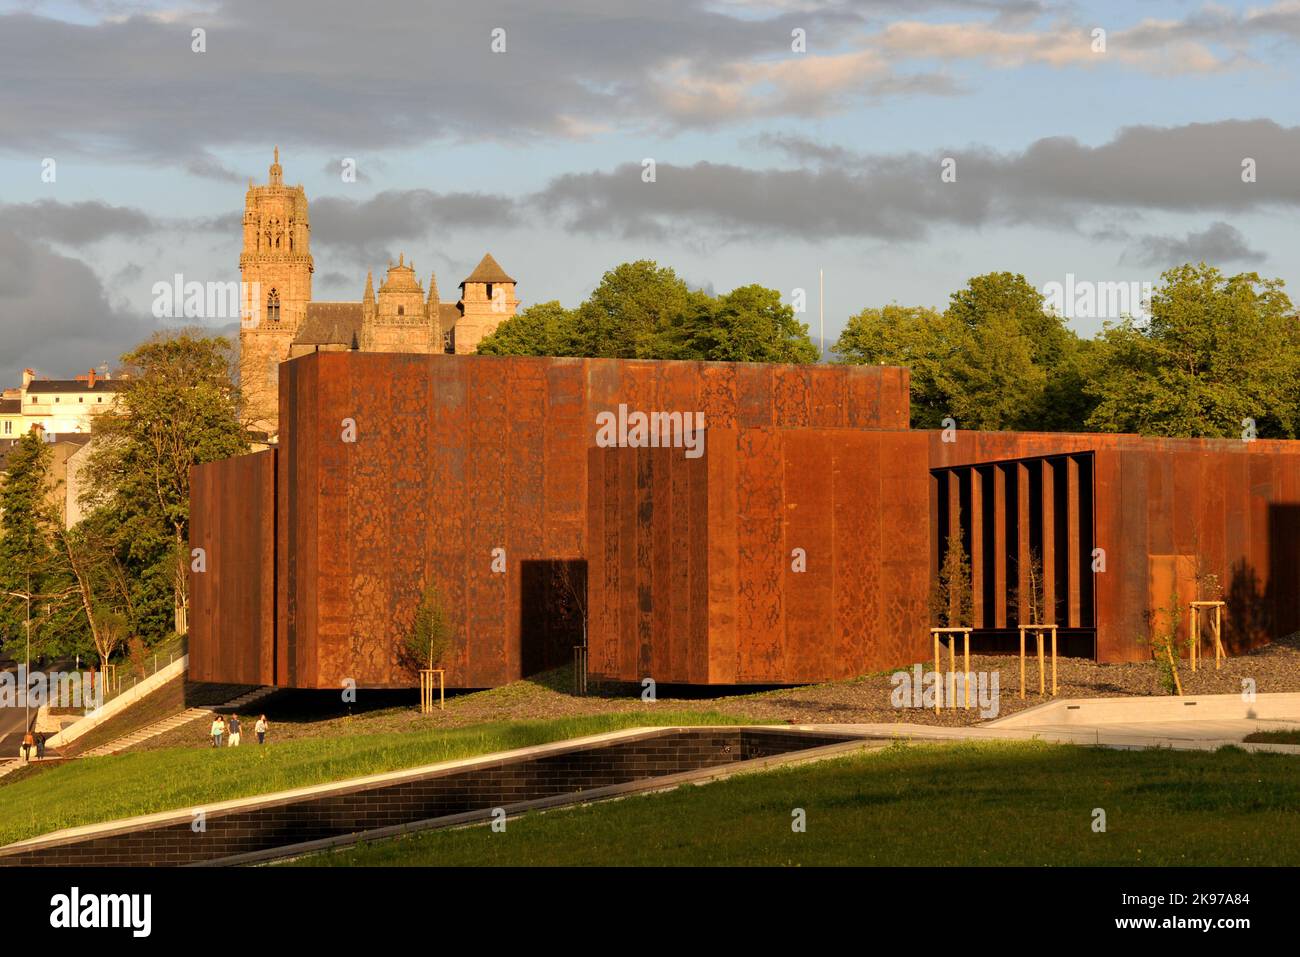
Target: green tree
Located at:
point(996, 358)
point(35, 588)
point(429, 638)
point(1216, 351)
point(952, 601)
point(919, 338)
point(640, 310)
point(750, 324)
point(178, 407)
point(543, 329)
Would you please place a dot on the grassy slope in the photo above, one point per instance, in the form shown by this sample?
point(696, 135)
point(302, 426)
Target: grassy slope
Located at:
point(1022, 803)
point(101, 789)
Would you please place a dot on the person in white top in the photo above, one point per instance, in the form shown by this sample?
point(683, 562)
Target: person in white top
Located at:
point(260, 728)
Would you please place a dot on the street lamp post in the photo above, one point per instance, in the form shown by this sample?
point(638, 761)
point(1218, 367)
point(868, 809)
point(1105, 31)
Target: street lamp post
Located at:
point(27, 665)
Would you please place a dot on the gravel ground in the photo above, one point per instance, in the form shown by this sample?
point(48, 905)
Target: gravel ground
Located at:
point(294, 714)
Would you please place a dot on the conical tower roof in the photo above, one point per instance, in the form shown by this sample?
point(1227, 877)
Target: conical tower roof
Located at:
point(487, 270)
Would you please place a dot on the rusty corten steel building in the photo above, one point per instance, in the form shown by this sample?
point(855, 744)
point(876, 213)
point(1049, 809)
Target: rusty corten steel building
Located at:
point(455, 457)
point(797, 546)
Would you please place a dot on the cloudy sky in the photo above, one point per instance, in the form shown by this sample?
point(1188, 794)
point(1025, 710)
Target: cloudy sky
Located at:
point(770, 161)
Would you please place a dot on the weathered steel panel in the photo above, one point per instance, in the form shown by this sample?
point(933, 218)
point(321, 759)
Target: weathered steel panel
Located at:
point(762, 556)
point(723, 553)
point(456, 456)
point(232, 601)
point(999, 571)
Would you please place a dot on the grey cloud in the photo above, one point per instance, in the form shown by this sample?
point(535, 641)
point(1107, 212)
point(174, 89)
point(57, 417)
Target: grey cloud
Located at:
point(54, 314)
point(74, 223)
point(397, 73)
point(209, 167)
point(1219, 243)
point(396, 215)
point(1056, 182)
point(405, 72)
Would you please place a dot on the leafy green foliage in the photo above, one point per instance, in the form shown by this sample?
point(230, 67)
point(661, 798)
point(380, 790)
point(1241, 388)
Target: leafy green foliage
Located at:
point(178, 408)
point(643, 311)
point(995, 359)
point(1216, 351)
point(543, 329)
point(429, 639)
point(752, 324)
point(34, 578)
point(952, 601)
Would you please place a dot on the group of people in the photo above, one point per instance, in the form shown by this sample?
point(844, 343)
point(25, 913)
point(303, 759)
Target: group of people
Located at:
point(229, 731)
point(33, 744)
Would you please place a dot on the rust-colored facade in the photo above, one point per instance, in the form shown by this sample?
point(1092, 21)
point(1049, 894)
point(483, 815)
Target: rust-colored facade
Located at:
point(1158, 512)
point(458, 463)
point(797, 545)
point(232, 600)
point(781, 556)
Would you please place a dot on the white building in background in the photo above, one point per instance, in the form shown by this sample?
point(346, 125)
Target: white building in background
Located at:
point(63, 411)
point(58, 406)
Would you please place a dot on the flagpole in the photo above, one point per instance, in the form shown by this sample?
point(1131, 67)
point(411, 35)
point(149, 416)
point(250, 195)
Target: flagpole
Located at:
point(821, 313)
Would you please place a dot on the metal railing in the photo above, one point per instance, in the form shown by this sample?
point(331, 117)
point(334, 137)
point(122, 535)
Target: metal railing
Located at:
point(123, 676)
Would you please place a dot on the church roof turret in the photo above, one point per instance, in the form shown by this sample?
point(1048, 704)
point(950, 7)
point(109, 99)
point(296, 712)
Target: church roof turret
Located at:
point(487, 270)
point(401, 278)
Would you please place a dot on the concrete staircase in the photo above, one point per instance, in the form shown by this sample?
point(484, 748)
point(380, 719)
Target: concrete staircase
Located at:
point(175, 721)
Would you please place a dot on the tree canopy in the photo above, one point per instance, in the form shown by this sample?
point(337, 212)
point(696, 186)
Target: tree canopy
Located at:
point(34, 578)
point(178, 408)
point(1217, 355)
point(996, 358)
point(641, 310)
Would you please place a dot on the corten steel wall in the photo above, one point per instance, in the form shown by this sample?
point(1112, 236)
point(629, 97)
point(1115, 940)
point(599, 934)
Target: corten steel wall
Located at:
point(232, 603)
point(690, 562)
point(1161, 503)
point(458, 455)
point(1005, 514)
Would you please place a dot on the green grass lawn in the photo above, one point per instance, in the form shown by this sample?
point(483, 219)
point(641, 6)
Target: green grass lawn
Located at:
point(994, 803)
point(90, 790)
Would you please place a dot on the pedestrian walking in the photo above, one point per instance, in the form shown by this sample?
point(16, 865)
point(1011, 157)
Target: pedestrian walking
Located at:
point(217, 729)
point(261, 728)
point(29, 743)
point(234, 731)
point(40, 745)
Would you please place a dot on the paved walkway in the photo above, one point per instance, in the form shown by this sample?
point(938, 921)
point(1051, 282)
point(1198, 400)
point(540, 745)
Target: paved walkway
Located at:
point(10, 765)
point(1196, 723)
point(175, 721)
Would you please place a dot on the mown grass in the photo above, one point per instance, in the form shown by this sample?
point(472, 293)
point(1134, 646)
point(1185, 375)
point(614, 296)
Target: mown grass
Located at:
point(91, 790)
point(991, 803)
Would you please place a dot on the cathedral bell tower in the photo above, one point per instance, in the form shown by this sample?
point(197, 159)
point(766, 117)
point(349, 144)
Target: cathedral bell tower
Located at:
point(276, 268)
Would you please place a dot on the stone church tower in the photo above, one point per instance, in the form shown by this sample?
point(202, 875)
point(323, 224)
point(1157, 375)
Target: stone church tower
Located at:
point(281, 322)
point(276, 268)
point(402, 319)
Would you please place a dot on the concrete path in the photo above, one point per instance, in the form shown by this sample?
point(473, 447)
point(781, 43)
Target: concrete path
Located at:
point(175, 721)
point(1196, 723)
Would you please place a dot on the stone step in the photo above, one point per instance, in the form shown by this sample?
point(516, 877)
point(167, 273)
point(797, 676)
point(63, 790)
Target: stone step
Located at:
point(175, 721)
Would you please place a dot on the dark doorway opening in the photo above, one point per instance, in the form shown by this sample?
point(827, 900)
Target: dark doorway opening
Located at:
point(552, 612)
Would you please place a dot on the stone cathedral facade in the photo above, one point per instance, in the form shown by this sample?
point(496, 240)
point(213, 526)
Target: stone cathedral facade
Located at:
point(282, 321)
